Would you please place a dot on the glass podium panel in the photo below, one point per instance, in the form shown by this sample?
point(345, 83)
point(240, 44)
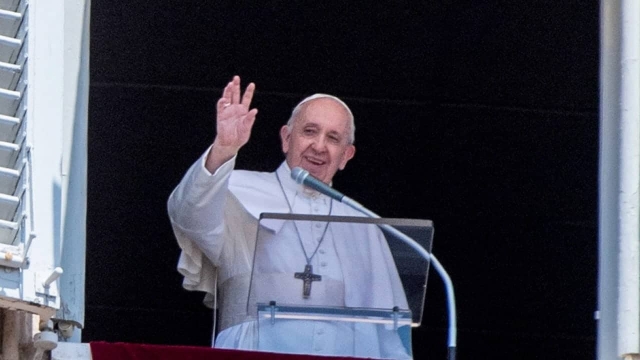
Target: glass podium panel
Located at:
point(349, 331)
point(338, 285)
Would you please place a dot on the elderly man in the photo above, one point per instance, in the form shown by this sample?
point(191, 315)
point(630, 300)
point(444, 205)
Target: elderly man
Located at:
point(214, 212)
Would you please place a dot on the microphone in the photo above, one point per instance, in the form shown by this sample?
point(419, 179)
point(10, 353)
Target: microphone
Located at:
point(302, 176)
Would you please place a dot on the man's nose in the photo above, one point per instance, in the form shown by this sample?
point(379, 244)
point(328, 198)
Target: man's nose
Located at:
point(319, 143)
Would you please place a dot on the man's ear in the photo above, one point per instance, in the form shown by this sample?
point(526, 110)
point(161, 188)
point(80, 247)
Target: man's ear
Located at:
point(349, 153)
point(284, 138)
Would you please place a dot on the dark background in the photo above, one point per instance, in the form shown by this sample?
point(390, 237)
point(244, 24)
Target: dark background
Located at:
point(479, 115)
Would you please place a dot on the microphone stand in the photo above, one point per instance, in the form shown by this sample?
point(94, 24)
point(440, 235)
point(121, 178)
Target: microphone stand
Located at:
point(302, 176)
point(451, 304)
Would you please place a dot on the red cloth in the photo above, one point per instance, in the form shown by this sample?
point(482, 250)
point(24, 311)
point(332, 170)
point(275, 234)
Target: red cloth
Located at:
point(127, 351)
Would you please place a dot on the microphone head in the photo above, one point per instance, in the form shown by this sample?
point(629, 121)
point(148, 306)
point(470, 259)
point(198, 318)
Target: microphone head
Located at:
point(299, 174)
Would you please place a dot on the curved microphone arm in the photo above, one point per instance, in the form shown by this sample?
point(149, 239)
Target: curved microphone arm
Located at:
point(451, 303)
point(302, 176)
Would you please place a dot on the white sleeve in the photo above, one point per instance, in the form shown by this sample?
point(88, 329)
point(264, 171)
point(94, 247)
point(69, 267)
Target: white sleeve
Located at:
point(196, 211)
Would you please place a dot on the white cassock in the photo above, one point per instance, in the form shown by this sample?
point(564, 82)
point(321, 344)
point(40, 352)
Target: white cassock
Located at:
point(215, 220)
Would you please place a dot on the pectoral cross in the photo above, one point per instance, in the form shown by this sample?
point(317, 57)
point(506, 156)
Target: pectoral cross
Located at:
point(307, 278)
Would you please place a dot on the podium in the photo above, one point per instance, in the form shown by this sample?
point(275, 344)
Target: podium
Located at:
point(338, 285)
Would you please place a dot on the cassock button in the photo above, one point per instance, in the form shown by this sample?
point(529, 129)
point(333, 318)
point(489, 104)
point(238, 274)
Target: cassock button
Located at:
point(323, 264)
point(318, 225)
point(321, 251)
point(320, 331)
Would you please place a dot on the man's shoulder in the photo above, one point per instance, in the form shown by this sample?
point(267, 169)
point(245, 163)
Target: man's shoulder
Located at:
point(248, 184)
point(249, 177)
point(257, 191)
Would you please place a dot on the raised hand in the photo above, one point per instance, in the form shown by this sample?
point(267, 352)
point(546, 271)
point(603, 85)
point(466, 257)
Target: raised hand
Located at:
point(234, 121)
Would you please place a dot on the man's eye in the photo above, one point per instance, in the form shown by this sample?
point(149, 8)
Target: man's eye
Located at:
point(309, 131)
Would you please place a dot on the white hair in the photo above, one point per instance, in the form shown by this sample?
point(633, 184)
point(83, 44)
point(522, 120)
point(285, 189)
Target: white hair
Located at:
point(296, 111)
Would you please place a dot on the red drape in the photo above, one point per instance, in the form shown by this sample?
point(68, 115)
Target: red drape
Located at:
point(128, 351)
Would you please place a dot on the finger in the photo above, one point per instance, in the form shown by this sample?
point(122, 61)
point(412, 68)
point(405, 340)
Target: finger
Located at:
point(223, 103)
point(235, 90)
point(251, 114)
point(248, 95)
point(227, 92)
point(250, 118)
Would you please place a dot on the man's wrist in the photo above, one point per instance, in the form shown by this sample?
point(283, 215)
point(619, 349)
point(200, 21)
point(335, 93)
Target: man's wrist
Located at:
point(219, 155)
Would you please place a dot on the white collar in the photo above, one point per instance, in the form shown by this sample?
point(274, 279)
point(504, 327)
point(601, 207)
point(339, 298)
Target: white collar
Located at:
point(294, 189)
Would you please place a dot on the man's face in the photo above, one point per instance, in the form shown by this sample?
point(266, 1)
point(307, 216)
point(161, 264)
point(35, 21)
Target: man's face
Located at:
point(319, 139)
